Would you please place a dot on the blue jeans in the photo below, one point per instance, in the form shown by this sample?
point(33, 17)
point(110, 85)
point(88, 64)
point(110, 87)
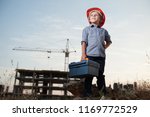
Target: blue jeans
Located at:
point(100, 79)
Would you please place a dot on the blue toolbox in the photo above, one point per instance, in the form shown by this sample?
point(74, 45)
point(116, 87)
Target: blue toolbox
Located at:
point(85, 68)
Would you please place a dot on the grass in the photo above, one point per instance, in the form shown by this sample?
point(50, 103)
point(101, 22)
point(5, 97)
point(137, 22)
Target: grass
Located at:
point(142, 92)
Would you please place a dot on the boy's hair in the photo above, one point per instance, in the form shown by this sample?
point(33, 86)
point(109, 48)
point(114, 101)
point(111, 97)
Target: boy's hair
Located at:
point(97, 12)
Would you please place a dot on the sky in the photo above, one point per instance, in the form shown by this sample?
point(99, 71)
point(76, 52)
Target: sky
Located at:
point(47, 24)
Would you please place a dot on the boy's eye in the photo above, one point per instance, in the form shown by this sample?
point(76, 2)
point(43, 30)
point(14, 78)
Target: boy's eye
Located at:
point(94, 15)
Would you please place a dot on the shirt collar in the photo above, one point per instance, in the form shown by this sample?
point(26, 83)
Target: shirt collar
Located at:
point(94, 25)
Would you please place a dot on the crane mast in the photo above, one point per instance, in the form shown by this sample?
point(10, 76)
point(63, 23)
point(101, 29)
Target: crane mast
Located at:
point(65, 51)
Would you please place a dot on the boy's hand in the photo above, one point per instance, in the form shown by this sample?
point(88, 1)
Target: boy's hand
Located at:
point(107, 44)
point(83, 57)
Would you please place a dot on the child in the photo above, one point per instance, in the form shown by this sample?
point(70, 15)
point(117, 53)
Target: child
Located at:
point(94, 42)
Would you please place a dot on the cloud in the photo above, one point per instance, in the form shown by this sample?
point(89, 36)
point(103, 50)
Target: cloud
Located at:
point(80, 28)
point(50, 30)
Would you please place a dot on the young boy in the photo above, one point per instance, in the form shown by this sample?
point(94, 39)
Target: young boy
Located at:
point(94, 42)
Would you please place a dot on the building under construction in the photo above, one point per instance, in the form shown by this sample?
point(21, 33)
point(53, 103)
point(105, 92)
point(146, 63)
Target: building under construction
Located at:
point(42, 84)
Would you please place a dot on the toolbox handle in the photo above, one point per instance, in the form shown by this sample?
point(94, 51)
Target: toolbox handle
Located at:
point(76, 64)
point(85, 59)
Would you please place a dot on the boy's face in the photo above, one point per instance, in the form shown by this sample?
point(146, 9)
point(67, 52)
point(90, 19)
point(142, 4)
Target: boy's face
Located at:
point(94, 17)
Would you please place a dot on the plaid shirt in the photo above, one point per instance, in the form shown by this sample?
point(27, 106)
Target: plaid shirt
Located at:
point(94, 37)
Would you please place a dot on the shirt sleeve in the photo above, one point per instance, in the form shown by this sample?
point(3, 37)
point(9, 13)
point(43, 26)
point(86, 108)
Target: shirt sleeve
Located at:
point(84, 36)
point(107, 37)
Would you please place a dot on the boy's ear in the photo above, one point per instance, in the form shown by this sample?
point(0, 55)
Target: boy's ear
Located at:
point(100, 21)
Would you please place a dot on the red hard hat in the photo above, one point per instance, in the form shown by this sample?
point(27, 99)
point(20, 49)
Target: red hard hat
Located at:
point(99, 10)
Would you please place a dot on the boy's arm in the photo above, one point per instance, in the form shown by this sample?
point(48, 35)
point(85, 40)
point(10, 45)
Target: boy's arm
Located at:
point(107, 44)
point(83, 57)
point(107, 41)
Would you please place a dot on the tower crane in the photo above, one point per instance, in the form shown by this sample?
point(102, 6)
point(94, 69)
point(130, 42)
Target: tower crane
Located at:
point(65, 51)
